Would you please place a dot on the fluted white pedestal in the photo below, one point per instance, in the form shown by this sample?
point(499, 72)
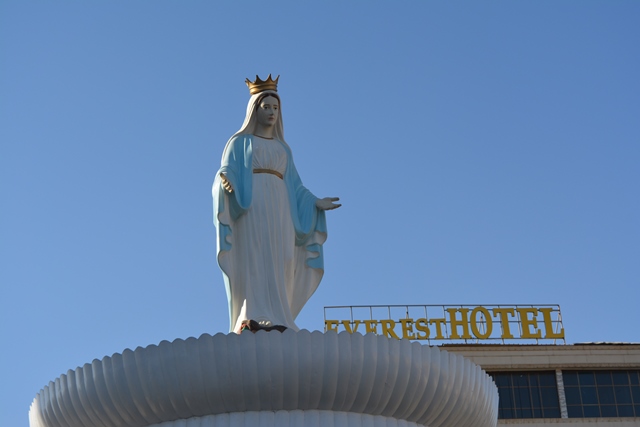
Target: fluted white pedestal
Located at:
point(272, 379)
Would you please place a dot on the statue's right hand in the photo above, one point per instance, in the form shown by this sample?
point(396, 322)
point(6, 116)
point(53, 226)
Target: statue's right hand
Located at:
point(226, 184)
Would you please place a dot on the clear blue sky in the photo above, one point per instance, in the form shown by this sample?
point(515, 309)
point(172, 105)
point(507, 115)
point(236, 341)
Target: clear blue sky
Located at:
point(485, 152)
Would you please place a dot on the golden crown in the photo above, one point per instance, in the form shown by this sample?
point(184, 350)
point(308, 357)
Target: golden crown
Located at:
point(262, 85)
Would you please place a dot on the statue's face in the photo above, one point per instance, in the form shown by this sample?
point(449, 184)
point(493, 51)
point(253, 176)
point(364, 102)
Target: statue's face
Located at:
point(268, 111)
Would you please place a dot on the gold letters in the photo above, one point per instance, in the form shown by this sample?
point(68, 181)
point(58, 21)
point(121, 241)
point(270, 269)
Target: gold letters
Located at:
point(387, 328)
point(438, 323)
point(347, 325)
point(487, 319)
point(527, 323)
point(331, 325)
point(463, 323)
point(372, 326)
point(407, 329)
point(504, 320)
point(421, 325)
point(548, 325)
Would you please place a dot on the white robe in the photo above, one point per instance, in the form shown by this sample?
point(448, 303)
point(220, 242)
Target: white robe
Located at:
point(270, 234)
point(265, 241)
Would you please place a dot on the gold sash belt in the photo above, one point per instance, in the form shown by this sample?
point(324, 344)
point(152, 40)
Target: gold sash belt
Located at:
point(272, 172)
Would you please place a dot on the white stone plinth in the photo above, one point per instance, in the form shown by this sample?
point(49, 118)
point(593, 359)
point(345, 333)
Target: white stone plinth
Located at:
point(272, 379)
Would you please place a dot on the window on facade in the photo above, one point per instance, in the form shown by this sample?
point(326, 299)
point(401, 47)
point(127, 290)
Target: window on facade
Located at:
point(602, 393)
point(527, 394)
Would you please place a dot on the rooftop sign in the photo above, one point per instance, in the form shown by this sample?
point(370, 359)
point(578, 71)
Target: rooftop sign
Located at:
point(455, 323)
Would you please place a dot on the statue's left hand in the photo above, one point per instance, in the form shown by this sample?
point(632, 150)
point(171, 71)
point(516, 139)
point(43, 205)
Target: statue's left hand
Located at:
point(327, 204)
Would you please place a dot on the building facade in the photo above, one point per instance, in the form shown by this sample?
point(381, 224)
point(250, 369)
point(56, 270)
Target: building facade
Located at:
point(590, 384)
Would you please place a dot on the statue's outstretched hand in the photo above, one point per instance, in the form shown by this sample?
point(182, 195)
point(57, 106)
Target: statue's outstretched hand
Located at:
point(327, 204)
point(226, 184)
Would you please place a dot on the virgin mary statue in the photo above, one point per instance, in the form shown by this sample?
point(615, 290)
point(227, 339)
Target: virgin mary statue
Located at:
point(270, 228)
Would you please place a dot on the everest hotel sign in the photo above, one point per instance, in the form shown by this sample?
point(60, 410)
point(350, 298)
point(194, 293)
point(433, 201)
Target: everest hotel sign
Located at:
point(454, 323)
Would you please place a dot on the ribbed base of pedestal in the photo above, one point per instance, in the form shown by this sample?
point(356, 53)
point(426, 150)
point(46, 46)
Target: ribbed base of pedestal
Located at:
point(289, 419)
point(273, 379)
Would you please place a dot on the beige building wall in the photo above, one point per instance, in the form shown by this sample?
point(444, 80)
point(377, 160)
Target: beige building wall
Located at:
point(507, 357)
